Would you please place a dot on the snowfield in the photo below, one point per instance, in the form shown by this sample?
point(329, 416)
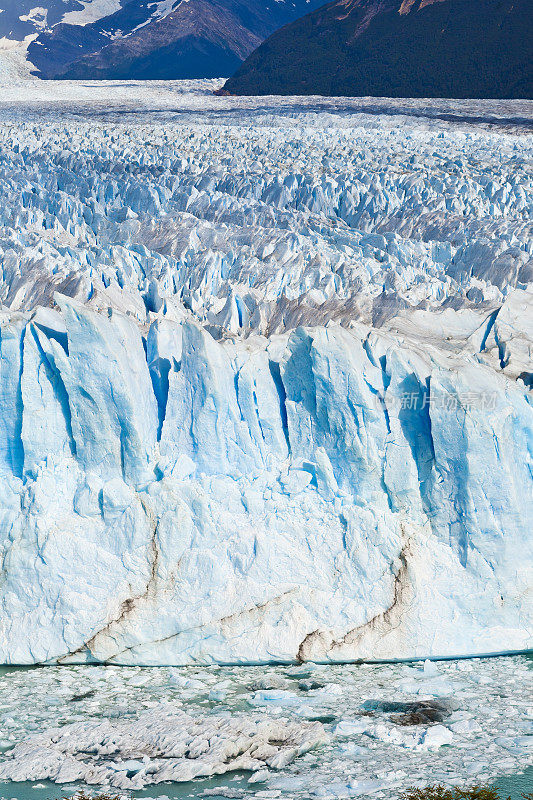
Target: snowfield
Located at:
point(265, 371)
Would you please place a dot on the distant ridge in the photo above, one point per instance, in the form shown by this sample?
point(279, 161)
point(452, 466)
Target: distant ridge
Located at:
point(398, 48)
point(142, 39)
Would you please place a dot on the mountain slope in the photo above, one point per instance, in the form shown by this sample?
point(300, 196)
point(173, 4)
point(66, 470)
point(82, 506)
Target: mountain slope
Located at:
point(22, 18)
point(414, 48)
point(144, 39)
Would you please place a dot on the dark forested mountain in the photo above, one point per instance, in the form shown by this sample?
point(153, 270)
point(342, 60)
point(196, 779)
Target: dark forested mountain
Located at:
point(395, 48)
point(144, 39)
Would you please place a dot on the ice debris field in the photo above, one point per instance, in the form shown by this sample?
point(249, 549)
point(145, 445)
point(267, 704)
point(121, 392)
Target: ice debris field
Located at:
point(265, 372)
point(293, 733)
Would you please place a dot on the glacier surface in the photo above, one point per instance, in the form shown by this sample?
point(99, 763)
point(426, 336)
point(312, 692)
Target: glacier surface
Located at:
point(265, 378)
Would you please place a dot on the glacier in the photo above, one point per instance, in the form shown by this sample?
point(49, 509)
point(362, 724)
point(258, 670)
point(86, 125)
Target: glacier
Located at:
point(265, 378)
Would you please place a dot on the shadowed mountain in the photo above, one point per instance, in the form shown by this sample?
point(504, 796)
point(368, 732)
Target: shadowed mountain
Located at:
point(388, 48)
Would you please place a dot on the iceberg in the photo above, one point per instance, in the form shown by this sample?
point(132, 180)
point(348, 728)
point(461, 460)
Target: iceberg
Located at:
point(164, 744)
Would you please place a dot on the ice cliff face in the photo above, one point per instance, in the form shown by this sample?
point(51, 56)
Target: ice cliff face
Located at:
point(241, 420)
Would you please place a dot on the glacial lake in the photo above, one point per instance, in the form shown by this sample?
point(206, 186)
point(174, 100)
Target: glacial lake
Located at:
point(488, 713)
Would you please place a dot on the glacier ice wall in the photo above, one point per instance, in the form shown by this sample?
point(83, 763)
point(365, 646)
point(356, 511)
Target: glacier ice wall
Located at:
point(266, 501)
point(264, 393)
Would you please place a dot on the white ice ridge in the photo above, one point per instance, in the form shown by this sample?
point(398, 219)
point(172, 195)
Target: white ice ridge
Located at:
point(163, 744)
point(264, 392)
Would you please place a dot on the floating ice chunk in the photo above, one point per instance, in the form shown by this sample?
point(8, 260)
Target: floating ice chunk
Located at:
point(270, 681)
point(435, 737)
point(465, 726)
point(328, 690)
point(276, 697)
point(438, 686)
point(130, 765)
point(363, 786)
point(516, 744)
point(161, 745)
point(185, 681)
point(217, 695)
point(431, 669)
point(351, 727)
point(353, 750)
point(402, 737)
point(260, 776)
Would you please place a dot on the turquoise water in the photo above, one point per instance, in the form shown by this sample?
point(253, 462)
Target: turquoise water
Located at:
point(46, 790)
point(512, 786)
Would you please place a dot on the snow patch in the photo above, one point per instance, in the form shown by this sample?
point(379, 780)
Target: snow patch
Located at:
point(92, 11)
point(36, 15)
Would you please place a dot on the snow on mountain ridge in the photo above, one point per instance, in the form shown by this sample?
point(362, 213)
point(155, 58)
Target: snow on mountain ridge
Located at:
point(162, 8)
point(21, 18)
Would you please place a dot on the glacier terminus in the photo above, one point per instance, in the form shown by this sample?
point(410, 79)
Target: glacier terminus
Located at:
point(265, 377)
